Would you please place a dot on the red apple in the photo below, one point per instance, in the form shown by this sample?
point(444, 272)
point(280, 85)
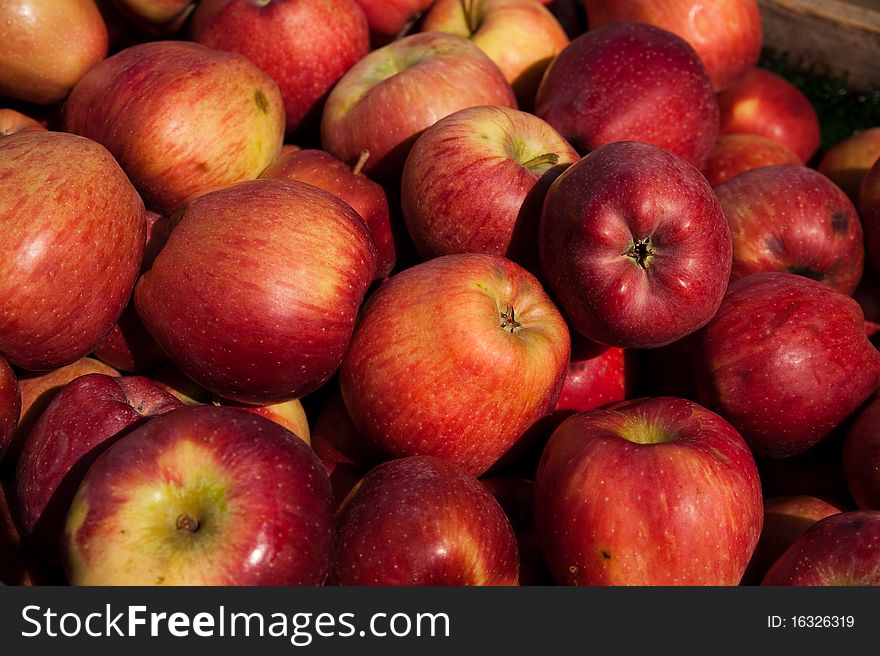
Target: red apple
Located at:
point(794, 219)
point(305, 46)
point(157, 16)
point(766, 104)
point(785, 520)
point(81, 421)
point(861, 458)
point(785, 360)
point(47, 45)
point(521, 36)
point(596, 376)
point(202, 496)
point(455, 358)
point(726, 34)
point(869, 210)
point(390, 19)
point(647, 492)
point(366, 197)
point(385, 100)
point(10, 405)
point(75, 238)
point(289, 414)
point(180, 118)
point(13, 122)
point(446, 197)
point(867, 295)
point(336, 440)
point(631, 82)
point(421, 521)
point(737, 153)
point(634, 246)
point(848, 162)
point(255, 294)
point(842, 549)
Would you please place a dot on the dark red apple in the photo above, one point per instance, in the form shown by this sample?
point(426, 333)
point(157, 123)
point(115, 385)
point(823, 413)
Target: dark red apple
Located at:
point(336, 440)
point(766, 104)
point(390, 96)
point(785, 520)
point(10, 405)
point(13, 122)
point(19, 563)
point(176, 383)
point(726, 34)
point(255, 294)
point(634, 246)
point(861, 458)
point(785, 360)
point(444, 192)
point(631, 82)
point(47, 45)
point(366, 197)
point(737, 153)
point(794, 219)
point(596, 376)
point(202, 496)
point(848, 162)
point(842, 549)
point(305, 46)
point(647, 492)
point(869, 210)
point(455, 358)
point(391, 19)
point(180, 118)
point(421, 521)
point(74, 237)
point(83, 419)
point(816, 472)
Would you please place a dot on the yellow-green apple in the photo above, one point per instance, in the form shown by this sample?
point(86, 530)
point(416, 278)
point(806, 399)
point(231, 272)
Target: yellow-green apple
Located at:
point(46, 46)
point(869, 211)
point(13, 122)
point(305, 46)
point(128, 346)
point(737, 153)
point(74, 238)
point(766, 104)
point(202, 496)
point(785, 520)
point(83, 419)
point(10, 405)
point(647, 492)
point(255, 294)
point(791, 218)
point(157, 16)
point(861, 458)
point(289, 414)
point(455, 358)
point(180, 118)
point(843, 549)
point(475, 182)
point(726, 34)
point(390, 19)
point(390, 96)
point(521, 36)
point(847, 163)
point(515, 496)
point(596, 376)
point(367, 198)
point(422, 521)
point(634, 246)
point(785, 360)
point(631, 82)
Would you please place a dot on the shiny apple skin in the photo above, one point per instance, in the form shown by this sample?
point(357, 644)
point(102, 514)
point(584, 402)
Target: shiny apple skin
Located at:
point(596, 376)
point(647, 492)
point(785, 360)
point(262, 501)
point(737, 153)
point(421, 521)
point(599, 210)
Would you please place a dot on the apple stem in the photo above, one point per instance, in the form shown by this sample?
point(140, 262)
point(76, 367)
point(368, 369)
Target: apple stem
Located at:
point(187, 523)
point(508, 320)
point(541, 160)
point(362, 159)
point(640, 251)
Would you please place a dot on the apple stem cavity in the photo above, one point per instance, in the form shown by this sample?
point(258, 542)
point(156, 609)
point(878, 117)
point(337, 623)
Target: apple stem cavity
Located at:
point(508, 320)
point(547, 159)
point(362, 160)
point(187, 523)
point(641, 251)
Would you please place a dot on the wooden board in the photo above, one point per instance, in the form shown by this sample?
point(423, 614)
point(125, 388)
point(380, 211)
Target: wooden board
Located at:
point(834, 37)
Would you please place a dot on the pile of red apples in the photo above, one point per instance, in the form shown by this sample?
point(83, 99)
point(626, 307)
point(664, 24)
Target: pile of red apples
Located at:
point(402, 292)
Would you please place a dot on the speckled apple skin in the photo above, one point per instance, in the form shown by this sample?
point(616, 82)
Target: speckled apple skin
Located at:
point(737, 153)
point(421, 521)
point(785, 360)
point(631, 82)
